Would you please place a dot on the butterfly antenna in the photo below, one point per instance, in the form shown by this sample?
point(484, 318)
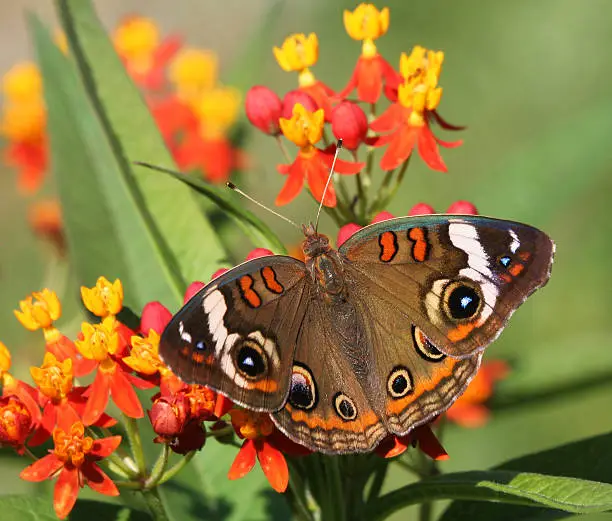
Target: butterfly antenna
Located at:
point(329, 178)
point(233, 187)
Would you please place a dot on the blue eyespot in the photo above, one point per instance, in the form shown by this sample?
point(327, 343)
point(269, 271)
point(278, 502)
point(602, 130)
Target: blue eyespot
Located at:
point(200, 345)
point(465, 301)
point(505, 261)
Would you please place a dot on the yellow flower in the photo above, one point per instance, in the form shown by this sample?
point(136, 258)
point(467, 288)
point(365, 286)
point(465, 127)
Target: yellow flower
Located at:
point(366, 23)
point(104, 298)
point(5, 361)
point(53, 378)
point(298, 52)
point(24, 122)
point(144, 357)
point(99, 342)
point(23, 83)
point(305, 128)
point(39, 310)
point(193, 71)
point(136, 39)
point(420, 92)
point(217, 110)
point(251, 424)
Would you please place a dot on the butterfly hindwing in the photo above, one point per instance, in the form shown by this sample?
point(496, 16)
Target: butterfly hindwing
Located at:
point(238, 334)
point(458, 278)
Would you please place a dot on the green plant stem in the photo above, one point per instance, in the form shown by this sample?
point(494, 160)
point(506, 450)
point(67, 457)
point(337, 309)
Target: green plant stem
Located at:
point(283, 149)
point(133, 435)
point(121, 465)
point(158, 468)
point(175, 469)
point(379, 478)
point(155, 504)
point(30, 454)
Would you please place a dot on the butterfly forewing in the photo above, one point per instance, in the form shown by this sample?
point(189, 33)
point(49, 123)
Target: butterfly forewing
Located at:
point(459, 278)
point(238, 334)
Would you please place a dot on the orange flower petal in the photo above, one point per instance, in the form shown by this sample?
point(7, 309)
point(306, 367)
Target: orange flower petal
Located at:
point(393, 446)
point(400, 148)
point(293, 185)
point(274, 465)
point(429, 151)
point(429, 444)
point(124, 395)
point(42, 469)
point(98, 480)
point(468, 415)
point(98, 398)
point(244, 461)
point(65, 492)
point(106, 446)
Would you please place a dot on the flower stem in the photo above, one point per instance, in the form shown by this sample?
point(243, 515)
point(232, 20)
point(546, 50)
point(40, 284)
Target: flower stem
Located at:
point(283, 148)
point(29, 454)
point(120, 465)
point(158, 468)
point(155, 504)
point(174, 470)
point(133, 434)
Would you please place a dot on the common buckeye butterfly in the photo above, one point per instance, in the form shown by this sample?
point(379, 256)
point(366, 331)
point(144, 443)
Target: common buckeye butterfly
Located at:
point(376, 337)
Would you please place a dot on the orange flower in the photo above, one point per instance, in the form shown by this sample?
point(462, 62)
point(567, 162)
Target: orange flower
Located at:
point(470, 409)
point(366, 24)
point(192, 72)
point(422, 436)
point(45, 219)
point(5, 362)
point(406, 122)
point(103, 344)
point(62, 403)
point(73, 461)
point(16, 422)
point(305, 129)
point(39, 310)
point(298, 53)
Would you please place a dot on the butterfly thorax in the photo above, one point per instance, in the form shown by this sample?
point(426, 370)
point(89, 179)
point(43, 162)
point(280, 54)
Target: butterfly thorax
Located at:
point(324, 264)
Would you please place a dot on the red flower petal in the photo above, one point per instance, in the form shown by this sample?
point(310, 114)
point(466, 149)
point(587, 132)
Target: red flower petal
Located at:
point(244, 461)
point(192, 289)
point(287, 446)
point(389, 120)
point(104, 447)
point(98, 480)
point(462, 207)
point(97, 399)
point(345, 232)
point(369, 79)
point(47, 424)
point(400, 147)
point(393, 446)
point(65, 492)
point(155, 316)
point(316, 175)
point(273, 464)
point(42, 469)
point(448, 144)
point(469, 415)
point(443, 123)
point(429, 444)
point(222, 406)
point(124, 395)
point(218, 273)
point(293, 185)
point(428, 150)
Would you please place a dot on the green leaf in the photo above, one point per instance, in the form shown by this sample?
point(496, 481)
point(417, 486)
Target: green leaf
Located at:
point(589, 459)
point(28, 508)
point(254, 228)
point(107, 231)
point(172, 213)
point(504, 486)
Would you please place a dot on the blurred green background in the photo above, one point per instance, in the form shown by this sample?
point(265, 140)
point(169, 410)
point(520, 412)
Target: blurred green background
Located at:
point(531, 80)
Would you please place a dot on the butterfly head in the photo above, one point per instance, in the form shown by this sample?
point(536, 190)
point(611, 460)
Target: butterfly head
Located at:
point(315, 243)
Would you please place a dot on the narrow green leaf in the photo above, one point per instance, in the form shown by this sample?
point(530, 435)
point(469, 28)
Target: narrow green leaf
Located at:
point(107, 232)
point(28, 508)
point(258, 232)
point(195, 251)
point(504, 486)
point(588, 459)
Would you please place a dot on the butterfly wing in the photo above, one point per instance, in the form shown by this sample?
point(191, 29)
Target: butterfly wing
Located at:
point(327, 408)
point(238, 334)
point(458, 278)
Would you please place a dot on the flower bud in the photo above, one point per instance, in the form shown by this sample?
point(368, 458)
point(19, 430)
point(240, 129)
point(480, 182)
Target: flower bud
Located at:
point(350, 123)
point(15, 422)
point(421, 209)
point(263, 108)
point(297, 96)
point(169, 415)
point(345, 232)
point(462, 207)
point(192, 438)
point(155, 316)
point(382, 216)
point(258, 252)
point(192, 289)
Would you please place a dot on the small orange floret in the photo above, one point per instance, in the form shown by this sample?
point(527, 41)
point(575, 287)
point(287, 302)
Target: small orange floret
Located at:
point(53, 378)
point(298, 52)
point(39, 310)
point(250, 424)
point(105, 298)
point(305, 128)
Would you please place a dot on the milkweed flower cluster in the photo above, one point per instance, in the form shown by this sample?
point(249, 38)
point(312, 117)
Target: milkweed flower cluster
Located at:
point(411, 92)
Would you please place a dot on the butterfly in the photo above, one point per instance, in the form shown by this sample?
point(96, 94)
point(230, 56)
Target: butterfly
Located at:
point(372, 339)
